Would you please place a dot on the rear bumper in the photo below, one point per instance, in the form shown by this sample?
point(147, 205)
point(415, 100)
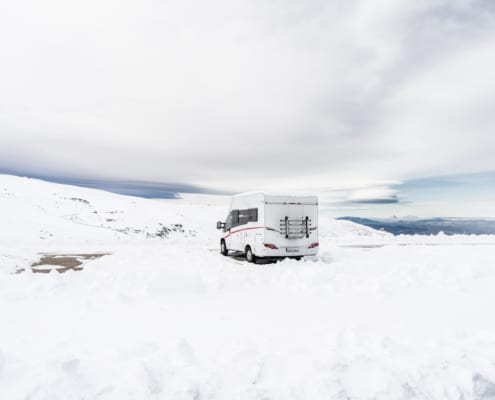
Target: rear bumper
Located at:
point(285, 252)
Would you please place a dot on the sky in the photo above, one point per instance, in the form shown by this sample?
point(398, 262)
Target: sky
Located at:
point(357, 100)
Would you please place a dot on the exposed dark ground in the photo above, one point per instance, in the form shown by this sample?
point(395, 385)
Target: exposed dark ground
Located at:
point(62, 262)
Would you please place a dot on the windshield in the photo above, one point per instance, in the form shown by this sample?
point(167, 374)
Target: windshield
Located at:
point(228, 222)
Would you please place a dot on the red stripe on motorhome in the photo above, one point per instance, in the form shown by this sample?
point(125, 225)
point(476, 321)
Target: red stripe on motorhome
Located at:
point(247, 229)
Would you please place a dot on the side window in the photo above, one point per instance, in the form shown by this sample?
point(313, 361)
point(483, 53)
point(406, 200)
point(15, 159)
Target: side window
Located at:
point(242, 217)
point(253, 215)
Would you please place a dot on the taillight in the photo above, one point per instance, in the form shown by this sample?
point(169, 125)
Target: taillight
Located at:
point(271, 246)
point(313, 245)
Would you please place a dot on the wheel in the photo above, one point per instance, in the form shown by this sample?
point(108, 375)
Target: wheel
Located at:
point(223, 248)
point(250, 255)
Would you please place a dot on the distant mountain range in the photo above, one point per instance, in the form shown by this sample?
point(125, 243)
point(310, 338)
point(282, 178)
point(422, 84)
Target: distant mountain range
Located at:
point(151, 190)
point(431, 226)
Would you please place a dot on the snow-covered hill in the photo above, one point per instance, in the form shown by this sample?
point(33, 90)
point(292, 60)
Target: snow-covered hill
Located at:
point(161, 315)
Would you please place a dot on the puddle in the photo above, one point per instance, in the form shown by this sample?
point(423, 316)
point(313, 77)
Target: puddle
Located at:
point(62, 262)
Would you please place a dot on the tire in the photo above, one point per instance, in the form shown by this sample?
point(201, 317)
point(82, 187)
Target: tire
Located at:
point(223, 248)
point(250, 257)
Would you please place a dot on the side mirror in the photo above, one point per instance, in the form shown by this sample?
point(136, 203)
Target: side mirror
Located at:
point(220, 225)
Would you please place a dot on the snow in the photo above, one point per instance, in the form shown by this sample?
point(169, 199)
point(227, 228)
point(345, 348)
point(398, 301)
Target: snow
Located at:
point(374, 316)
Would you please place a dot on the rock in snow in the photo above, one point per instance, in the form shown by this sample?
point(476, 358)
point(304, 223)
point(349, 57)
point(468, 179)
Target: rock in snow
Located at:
point(162, 315)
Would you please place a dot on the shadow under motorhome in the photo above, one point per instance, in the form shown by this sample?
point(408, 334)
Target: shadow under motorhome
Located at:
point(271, 226)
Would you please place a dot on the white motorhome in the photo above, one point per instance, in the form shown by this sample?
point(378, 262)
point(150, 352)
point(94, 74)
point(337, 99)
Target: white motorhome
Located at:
point(271, 226)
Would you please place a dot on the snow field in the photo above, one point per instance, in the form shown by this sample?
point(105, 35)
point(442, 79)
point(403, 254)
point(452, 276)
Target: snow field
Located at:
point(169, 318)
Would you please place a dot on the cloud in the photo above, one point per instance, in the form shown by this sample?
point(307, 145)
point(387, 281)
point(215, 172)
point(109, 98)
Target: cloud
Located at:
point(248, 94)
point(376, 201)
point(459, 195)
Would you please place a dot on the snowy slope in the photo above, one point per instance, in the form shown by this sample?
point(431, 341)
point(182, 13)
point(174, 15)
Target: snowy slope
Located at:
point(29, 203)
point(43, 217)
point(166, 317)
